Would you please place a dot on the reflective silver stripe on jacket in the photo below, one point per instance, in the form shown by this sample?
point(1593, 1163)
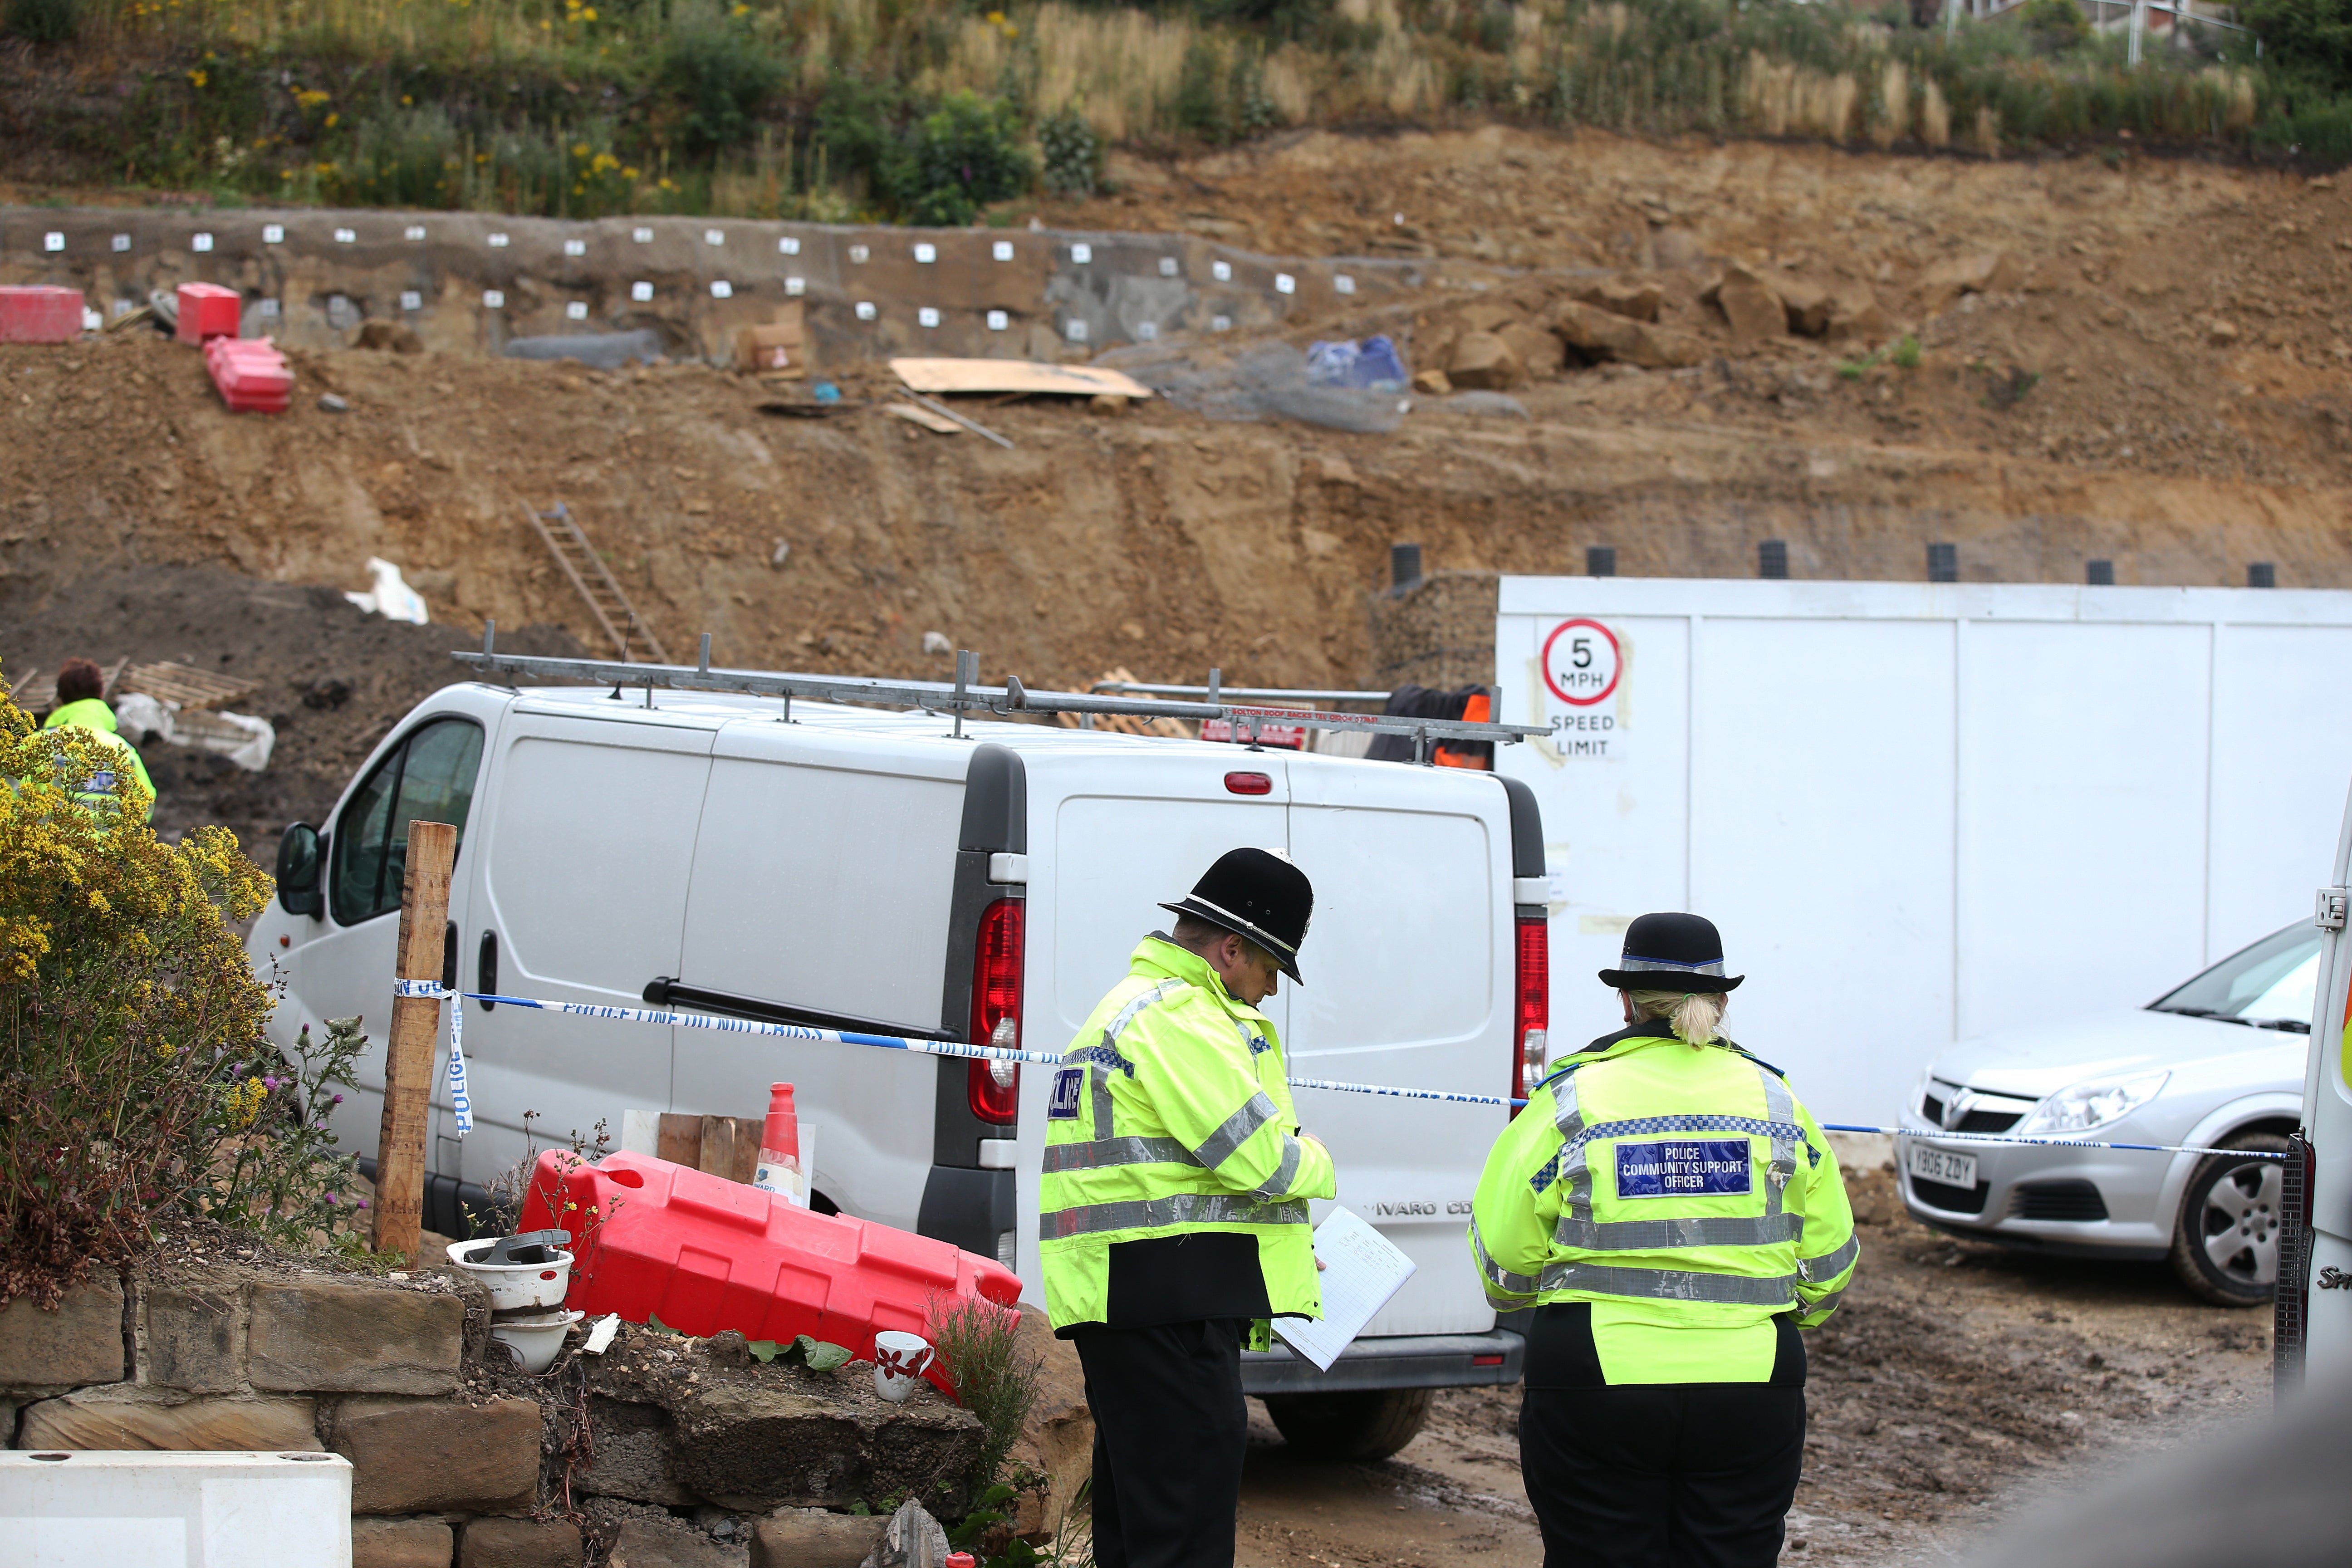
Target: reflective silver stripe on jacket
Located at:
point(1825, 1306)
point(1183, 1208)
point(1780, 1111)
point(1496, 1275)
point(1098, 1075)
point(1106, 1152)
point(1284, 1174)
point(1578, 1202)
point(1672, 1285)
point(1834, 1264)
point(1644, 1235)
point(1236, 1130)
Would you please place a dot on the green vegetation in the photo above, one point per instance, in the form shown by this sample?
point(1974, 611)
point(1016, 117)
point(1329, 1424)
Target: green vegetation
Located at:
point(930, 110)
point(44, 21)
point(139, 1083)
point(1903, 354)
point(992, 1376)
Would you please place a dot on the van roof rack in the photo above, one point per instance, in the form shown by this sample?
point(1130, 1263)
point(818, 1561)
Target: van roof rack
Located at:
point(965, 695)
point(1216, 690)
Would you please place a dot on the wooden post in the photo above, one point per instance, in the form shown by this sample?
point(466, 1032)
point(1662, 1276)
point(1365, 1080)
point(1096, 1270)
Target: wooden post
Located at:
point(416, 1028)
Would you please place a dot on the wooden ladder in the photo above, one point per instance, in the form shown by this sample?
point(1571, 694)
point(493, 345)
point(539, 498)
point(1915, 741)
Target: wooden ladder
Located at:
point(597, 589)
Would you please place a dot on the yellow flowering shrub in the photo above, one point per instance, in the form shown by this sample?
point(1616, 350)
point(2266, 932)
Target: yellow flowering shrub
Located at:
point(131, 1051)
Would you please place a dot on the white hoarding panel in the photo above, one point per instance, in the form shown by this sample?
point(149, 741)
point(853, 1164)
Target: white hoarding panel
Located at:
point(1623, 837)
point(2280, 744)
point(1808, 753)
point(2081, 795)
point(1921, 812)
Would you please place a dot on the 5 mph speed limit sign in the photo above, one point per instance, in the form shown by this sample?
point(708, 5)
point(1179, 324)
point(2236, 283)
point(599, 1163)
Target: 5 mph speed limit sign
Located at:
point(1582, 662)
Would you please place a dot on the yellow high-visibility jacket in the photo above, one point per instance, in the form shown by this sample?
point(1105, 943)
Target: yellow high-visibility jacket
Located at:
point(97, 791)
point(1171, 1115)
point(1682, 1192)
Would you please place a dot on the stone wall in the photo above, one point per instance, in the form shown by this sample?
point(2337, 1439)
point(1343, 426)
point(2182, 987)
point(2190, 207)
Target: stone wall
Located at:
point(474, 282)
point(661, 1453)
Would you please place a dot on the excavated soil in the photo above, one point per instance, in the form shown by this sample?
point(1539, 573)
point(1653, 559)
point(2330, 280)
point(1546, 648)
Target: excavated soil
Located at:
point(2189, 419)
point(1958, 1382)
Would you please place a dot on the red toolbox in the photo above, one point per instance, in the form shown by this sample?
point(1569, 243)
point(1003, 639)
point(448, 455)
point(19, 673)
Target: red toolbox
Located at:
point(208, 311)
point(252, 375)
point(704, 1253)
point(39, 314)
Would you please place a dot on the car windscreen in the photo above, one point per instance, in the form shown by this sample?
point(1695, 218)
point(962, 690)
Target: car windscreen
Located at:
point(2270, 983)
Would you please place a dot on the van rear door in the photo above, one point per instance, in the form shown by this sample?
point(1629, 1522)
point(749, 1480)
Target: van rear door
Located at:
point(1409, 982)
point(1114, 832)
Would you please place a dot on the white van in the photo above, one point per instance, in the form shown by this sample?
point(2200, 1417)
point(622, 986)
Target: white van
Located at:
point(910, 874)
point(2313, 1325)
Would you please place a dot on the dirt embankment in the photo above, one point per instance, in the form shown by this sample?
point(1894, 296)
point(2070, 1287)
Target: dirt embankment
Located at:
point(2187, 419)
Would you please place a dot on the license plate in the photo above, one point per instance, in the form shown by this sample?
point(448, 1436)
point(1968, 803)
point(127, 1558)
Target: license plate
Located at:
point(1949, 1166)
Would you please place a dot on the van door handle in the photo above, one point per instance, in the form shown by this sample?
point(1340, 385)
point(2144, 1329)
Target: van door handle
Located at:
point(449, 956)
point(486, 967)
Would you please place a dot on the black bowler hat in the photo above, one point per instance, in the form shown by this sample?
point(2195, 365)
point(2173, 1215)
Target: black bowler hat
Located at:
point(1259, 895)
point(1671, 953)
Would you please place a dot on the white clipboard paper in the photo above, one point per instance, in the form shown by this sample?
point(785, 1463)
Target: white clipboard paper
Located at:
point(1363, 1269)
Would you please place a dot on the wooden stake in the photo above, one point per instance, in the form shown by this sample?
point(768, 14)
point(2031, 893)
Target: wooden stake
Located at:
point(415, 1030)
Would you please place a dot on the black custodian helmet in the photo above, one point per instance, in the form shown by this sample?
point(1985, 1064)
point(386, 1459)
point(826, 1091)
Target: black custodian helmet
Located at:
point(1259, 895)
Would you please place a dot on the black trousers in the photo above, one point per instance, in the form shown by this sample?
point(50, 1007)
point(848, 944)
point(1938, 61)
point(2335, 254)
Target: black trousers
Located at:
point(1663, 1475)
point(1170, 1429)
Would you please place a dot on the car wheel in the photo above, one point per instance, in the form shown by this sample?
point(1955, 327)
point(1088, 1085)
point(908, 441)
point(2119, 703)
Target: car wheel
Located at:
point(1363, 1425)
point(2226, 1246)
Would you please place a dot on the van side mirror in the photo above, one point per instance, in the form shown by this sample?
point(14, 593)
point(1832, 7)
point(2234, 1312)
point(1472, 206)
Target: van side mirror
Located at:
point(299, 884)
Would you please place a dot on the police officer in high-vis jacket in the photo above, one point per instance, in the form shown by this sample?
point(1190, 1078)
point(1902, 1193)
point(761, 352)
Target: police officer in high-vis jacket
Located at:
point(1172, 1210)
point(1675, 1217)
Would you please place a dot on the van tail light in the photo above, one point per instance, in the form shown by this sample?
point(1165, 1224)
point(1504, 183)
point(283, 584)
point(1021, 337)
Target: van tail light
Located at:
point(1531, 1032)
point(995, 1087)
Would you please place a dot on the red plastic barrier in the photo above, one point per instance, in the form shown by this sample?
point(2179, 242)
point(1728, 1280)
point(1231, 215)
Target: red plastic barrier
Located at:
point(252, 375)
point(207, 311)
point(39, 314)
point(704, 1253)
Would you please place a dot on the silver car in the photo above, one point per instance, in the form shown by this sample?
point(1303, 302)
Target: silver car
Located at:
point(2217, 1063)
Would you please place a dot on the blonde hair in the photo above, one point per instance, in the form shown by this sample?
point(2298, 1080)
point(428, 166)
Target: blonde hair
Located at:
point(1695, 1017)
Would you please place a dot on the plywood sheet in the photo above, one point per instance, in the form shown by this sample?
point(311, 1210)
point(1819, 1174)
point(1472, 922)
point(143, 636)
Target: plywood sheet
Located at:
point(1015, 375)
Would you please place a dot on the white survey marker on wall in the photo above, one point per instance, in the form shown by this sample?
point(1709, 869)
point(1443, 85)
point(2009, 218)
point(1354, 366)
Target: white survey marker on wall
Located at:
point(1920, 812)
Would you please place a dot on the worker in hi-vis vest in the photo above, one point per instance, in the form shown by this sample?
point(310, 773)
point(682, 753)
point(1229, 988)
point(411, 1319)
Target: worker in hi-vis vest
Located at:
point(1172, 1209)
point(81, 707)
point(1674, 1217)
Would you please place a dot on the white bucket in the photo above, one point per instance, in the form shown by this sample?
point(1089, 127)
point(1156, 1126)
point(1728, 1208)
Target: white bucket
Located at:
point(515, 1284)
point(535, 1341)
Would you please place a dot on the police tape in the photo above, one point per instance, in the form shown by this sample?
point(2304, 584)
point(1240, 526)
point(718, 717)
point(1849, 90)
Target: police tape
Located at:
point(2047, 1142)
point(813, 1034)
point(462, 1104)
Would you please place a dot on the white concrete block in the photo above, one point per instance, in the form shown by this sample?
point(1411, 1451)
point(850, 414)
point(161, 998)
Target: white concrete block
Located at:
point(175, 1510)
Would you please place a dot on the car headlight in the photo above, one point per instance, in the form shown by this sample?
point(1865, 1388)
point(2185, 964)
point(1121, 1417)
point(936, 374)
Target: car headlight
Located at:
point(2093, 1103)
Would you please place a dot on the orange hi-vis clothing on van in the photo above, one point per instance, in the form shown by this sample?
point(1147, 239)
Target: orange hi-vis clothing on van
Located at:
point(1171, 1116)
point(1479, 709)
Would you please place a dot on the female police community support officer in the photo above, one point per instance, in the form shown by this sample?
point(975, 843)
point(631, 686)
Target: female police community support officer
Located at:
point(1675, 1217)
